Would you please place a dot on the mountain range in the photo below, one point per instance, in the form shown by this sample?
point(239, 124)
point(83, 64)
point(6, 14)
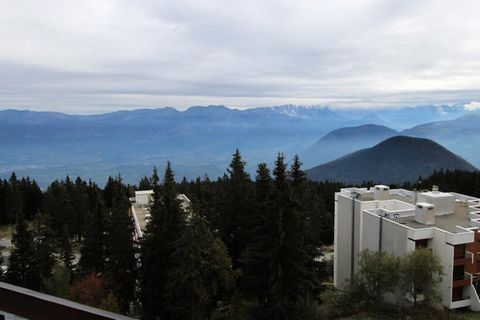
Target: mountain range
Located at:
point(396, 160)
point(201, 140)
point(461, 135)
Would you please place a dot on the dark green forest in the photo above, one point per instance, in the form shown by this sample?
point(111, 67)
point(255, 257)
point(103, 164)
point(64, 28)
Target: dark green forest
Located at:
point(249, 249)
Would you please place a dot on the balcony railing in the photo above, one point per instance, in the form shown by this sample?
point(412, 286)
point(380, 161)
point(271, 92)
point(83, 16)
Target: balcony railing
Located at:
point(461, 281)
point(462, 259)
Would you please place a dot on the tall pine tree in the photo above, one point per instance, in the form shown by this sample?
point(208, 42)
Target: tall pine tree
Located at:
point(255, 259)
point(289, 283)
point(237, 230)
point(201, 271)
point(120, 249)
point(164, 229)
point(23, 269)
point(93, 255)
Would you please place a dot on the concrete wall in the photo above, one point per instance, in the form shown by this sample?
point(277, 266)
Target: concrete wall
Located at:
point(143, 199)
point(444, 252)
point(342, 239)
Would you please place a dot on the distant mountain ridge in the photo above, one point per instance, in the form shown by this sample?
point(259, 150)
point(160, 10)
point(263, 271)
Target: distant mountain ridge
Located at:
point(345, 140)
point(48, 145)
point(396, 160)
point(199, 140)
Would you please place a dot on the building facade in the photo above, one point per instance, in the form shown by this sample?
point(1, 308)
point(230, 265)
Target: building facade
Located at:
point(398, 221)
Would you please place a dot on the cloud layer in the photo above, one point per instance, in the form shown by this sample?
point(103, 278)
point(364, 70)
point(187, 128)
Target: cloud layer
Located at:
point(94, 56)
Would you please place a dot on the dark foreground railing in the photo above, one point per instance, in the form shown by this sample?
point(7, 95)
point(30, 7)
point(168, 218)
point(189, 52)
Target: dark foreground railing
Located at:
point(34, 305)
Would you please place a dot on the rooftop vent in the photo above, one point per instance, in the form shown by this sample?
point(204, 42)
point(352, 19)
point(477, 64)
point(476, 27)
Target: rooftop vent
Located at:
point(381, 192)
point(444, 202)
point(425, 213)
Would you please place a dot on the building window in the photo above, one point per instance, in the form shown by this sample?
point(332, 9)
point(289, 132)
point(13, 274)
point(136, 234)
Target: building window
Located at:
point(458, 272)
point(423, 243)
point(459, 251)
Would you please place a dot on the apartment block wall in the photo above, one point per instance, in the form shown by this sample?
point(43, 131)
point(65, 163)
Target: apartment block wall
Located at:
point(342, 239)
point(444, 252)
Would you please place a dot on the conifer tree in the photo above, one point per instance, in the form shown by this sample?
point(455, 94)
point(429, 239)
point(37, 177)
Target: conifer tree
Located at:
point(109, 192)
point(13, 200)
point(237, 229)
point(31, 197)
point(23, 269)
point(80, 208)
point(93, 257)
point(309, 211)
point(201, 270)
point(43, 245)
point(3, 191)
point(145, 184)
point(255, 259)
point(57, 203)
point(289, 282)
point(166, 225)
point(120, 251)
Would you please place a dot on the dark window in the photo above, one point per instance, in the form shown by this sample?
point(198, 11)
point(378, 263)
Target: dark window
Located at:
point(421, 243)
point(459, 251)
point(458, 272)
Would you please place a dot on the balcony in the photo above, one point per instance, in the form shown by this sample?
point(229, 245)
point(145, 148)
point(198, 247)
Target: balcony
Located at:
point(463, 259)
point(461, 281)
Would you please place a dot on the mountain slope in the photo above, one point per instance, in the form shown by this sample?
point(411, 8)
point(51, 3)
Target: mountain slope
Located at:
point(345, 140)
point(396, 160)
point(461, 135)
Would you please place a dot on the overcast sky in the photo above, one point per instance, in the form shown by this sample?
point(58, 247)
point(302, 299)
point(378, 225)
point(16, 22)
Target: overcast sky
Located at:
point(93, 56)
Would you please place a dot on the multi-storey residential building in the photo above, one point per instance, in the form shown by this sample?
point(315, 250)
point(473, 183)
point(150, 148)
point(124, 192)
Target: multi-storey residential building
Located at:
point(398, 221)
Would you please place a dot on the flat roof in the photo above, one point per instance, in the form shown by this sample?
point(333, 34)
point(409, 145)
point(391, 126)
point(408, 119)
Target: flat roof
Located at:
point(144, 192)
point(447, 222)
point(437, 194)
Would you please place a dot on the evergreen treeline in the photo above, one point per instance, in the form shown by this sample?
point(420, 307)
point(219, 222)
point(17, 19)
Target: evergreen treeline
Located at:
point(68, 232)
point(248, 248)
point(465, 182)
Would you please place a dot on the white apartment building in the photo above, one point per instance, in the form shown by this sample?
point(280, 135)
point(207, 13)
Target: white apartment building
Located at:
point(144, 197)
point(397, 221)
point(140, 210)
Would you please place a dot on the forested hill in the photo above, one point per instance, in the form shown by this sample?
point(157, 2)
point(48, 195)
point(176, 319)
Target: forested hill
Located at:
point(396, 160)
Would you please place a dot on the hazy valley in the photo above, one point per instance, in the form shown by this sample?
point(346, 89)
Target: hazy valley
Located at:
point(200, 140)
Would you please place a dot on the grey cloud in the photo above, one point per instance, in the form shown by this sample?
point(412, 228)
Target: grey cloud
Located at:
point(94, 56)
